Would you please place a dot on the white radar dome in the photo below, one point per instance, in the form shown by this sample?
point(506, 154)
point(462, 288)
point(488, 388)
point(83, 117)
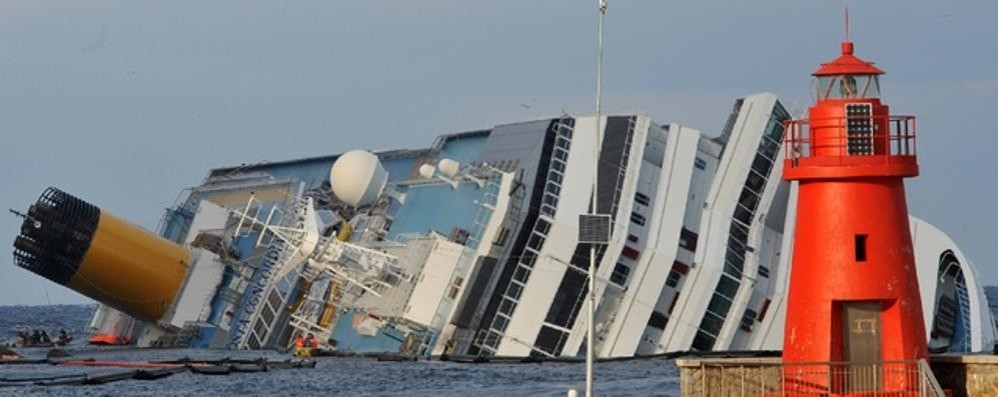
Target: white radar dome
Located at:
point(358, 177)
point(448, 167)
point(427, 170)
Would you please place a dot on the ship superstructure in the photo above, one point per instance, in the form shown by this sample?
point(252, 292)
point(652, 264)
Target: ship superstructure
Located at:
point(470, 246)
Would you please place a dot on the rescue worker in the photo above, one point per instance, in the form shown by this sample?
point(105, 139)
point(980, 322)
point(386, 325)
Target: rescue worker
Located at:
point(300, 349)
point(64, 338)
point(311, 341)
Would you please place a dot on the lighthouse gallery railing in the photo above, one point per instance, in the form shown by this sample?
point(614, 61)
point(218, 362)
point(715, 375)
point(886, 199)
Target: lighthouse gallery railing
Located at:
point(895, 145)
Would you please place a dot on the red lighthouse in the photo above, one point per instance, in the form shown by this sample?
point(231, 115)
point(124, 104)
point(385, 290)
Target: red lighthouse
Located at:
point(854, 298)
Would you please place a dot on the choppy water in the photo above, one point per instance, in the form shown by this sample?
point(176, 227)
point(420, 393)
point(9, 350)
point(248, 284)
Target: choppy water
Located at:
point(332, 376)
point(343, 376)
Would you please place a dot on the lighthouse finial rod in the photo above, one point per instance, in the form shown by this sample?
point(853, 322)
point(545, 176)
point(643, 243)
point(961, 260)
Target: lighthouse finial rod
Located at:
point(847, 22)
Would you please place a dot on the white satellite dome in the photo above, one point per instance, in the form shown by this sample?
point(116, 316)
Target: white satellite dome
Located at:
point(448, 167)
point(427, 170)
point(358, 177)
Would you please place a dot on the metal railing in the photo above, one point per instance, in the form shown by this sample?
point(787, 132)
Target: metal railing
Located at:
point(897, 378)
point(895, 145)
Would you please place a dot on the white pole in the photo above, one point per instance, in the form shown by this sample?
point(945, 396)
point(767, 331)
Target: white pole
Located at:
point(591, 307)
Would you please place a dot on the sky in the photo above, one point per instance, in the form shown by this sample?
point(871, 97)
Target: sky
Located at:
point(126, 103)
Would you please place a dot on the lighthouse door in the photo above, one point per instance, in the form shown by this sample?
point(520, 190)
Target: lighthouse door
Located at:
point(861, 331)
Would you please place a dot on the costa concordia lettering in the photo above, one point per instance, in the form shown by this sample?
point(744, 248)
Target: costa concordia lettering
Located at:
point(471, 246)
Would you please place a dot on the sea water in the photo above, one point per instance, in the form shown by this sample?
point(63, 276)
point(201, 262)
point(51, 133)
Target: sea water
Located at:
point(331, 376)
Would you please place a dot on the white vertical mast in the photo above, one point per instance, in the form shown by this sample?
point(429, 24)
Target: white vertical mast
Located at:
point(591, 295)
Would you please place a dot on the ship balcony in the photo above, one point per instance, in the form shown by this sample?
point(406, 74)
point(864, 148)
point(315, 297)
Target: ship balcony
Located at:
point(854, 145)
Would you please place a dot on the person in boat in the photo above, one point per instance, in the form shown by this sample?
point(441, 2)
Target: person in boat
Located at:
point(311, 341)
point(35, 338)
point(45, 337)
point(64, 338)
point(22, 336)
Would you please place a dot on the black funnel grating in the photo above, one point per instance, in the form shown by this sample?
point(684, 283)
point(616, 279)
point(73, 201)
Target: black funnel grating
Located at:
point(55, 235)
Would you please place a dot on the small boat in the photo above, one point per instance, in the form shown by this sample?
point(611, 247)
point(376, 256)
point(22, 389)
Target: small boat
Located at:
point(260, 367)
point(211, 369)
point(8, 355)
point(154, 374)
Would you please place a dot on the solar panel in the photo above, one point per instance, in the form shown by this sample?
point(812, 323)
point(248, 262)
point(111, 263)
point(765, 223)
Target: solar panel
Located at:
point(594, 229)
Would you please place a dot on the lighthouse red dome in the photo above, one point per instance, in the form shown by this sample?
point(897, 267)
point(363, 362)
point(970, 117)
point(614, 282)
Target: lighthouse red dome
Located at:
point(847, 63)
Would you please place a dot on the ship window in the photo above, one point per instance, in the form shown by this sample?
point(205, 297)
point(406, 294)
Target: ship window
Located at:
point(528, 257)
point(703, 341)
point(637, 218)
point(673, 279)
point(861, 248)
point(688, 239)
point(630, 253)
point(514, 290)
point(769, 145)
point(748, 320)
point(749, 200)
point(727, 287)
point(502, 237)
point(547, 210)
point(536, 241)
point(542, 226)
point(620, 273)
point(765, 308)
point(642, 199)
point(761, 164)
point(742, 214)
point(755, 181)
point(764, 271)
point(506, 307)
point(712, 323)
point(553, 188)
point(500, 323)
point(453, 292)
point(675, 298)
point(561, 154)
point(521, 273)
point(550, 199)
point(680, 267)
point(658, 320)
point(719, 305)
point(632, 238)
point(555, 177)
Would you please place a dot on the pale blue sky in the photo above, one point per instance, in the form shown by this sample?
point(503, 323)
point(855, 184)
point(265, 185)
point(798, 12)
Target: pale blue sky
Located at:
point(125, 103)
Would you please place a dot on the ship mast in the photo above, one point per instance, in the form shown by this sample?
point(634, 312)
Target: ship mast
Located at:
point(591, 295)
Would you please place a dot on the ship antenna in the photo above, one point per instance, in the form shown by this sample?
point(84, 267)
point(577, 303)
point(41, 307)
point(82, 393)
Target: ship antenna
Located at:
point(591, 294)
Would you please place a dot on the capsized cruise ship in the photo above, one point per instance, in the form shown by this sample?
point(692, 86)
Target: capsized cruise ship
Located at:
point(471, 247)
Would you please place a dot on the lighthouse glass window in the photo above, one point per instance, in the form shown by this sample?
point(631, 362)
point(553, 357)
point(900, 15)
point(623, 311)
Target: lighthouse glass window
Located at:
point(848, 86)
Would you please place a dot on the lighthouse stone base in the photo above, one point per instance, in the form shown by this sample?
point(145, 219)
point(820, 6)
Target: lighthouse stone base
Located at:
point(959, 375)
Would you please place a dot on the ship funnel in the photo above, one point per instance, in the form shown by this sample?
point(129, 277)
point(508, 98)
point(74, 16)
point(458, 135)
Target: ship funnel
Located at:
point(76, 244)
